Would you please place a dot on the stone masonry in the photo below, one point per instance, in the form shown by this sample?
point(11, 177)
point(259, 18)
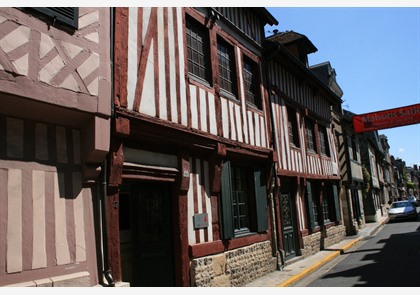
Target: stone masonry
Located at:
point(233, 268)
point(315, 243)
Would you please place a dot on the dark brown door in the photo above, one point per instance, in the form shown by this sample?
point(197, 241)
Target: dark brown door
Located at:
point(146, 235)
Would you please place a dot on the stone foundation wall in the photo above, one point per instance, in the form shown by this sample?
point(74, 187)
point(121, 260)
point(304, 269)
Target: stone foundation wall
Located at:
point(233, 268)
point(315, 243)
point(81, 279)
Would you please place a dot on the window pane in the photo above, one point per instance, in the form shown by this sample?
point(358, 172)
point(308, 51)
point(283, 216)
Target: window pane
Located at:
point(323, 140)
point(226, 67)
point(240, 199)
point(198, 50)
point(310, 135)
point(251, 82)
point(293, 129)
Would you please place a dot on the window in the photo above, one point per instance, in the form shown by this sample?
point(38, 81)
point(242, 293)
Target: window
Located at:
point(323, 140)
point(310, 131)
point(240, 201)
point(355, 147)
point(243, 201)
point(311, 202)
point(64, 15)
point(326, 209)
point(227, 71)
point(252, 91)
point(198, 48)
point(330, 204)
point(293, 127)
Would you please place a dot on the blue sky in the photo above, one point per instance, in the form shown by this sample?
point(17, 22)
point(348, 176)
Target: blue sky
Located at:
point(374, 46)
point(376, 54)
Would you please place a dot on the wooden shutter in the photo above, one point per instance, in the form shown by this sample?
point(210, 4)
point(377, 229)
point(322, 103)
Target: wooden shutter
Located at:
point(310, 208)
point(226, 202)
point(261, 201)
point(66, 15)
point(336, 203)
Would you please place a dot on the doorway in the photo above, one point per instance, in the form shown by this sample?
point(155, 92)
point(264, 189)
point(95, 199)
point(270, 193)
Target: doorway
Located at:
point(287, 212)
point(146, 239)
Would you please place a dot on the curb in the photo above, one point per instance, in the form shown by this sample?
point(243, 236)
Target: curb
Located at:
point(318, 264)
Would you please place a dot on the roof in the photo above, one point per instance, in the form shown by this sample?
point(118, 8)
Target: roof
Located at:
point(289, 37)
point(326, 73)
point(274, 49)
point(269, 18)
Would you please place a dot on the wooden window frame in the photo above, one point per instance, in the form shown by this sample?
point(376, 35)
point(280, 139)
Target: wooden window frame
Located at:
point(310, 135)
point(355, 147)
point(312, 207)
point(255, 185)
point(323, 141)
point(227, 68)
point(252, 82)
point(326, 203)
point(292, 127)
point(198, 69)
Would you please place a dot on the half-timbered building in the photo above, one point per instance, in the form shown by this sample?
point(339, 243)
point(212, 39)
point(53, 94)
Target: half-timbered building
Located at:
point(351, 170)
point(372, 155)
point(55, 90)
point(191, 153)
point(307, 173)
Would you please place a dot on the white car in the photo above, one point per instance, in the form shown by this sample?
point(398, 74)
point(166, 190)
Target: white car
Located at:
point(413, 200)
point(402, 210)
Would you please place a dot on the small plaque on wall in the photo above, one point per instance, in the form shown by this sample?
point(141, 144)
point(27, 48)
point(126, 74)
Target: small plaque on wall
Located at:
point(200, 220)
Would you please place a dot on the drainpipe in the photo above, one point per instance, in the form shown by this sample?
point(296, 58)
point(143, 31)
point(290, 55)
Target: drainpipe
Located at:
point(274, 188)
point(107, 270)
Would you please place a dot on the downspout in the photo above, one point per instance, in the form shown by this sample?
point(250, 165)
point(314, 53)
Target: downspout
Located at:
point(274, 188)
point(350, 184)
point(107, 270)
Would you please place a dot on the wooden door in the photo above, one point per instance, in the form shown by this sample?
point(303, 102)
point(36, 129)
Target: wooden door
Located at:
point(146, 235)
point(288, 225)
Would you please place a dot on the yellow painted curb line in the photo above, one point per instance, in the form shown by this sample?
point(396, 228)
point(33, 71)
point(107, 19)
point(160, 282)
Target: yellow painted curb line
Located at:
point(315, 266)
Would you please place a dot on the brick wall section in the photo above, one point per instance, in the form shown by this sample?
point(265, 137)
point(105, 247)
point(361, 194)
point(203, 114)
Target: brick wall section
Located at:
point(314, 243)
point(233, 268)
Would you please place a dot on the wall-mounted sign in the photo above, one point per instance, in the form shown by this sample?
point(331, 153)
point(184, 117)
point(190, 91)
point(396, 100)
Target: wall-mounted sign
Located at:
point(402, 116)
point(201, 221)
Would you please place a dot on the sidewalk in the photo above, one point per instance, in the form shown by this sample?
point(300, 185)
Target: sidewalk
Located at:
point(299, 269)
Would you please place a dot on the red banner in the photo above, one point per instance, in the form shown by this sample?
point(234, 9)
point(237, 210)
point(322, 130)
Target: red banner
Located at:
point(407, 115)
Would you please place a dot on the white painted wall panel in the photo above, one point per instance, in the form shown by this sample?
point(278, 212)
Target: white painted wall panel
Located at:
point(163, 114)
point(79, 219)
point(39, 252)
point(148, 104)
point(14, 221)
point(61, 243)
point(132, 55)
point(203, 110)
point(193, 106)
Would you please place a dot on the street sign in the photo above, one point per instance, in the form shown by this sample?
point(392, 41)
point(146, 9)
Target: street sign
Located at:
point(402, 116)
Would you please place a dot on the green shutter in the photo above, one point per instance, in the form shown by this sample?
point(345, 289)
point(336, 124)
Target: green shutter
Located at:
point(226, 203)
point(310, 208)
point(65, 15)
point(336, 203)
point(261, 201)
